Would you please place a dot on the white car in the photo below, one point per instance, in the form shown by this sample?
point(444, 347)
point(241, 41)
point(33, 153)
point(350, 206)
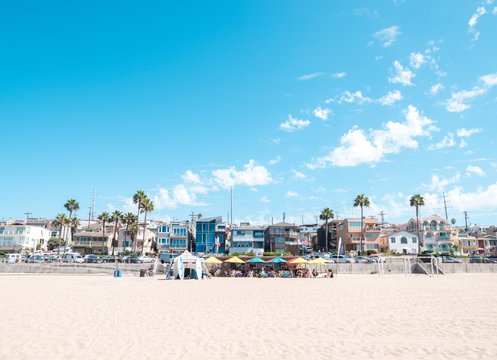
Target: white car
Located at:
point(146, 259)
point(74, 258)
point(12, 258)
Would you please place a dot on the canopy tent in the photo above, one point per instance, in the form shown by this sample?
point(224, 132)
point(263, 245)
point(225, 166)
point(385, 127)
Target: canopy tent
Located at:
point(235, 260)
point(277, 260)
point(256, 260)
point(318, 261)
point(298, 261)
point(213, 260)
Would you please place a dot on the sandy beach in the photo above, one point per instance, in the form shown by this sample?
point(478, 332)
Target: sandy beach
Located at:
point(350, 317)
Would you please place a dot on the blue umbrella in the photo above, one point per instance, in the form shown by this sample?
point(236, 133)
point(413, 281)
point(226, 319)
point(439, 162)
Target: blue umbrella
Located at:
point(277, 260)
point(256, 260)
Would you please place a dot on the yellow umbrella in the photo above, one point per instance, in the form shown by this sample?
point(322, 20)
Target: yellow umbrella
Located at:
point(298, 261)
point(318, 261)
point(235, 260)
point(213, 260)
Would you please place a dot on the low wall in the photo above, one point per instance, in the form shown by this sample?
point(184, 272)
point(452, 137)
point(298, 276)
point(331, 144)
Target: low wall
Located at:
point(105, 269)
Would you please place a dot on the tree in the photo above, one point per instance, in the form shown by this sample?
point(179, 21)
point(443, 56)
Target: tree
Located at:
point(147, 206)
point(417, 200)
point(71, 205)
point(116, 217)
point(361, 201)
point(103, 217)
point(133, 230)
point(60, 221)
point(326, 214)
point(53, 242)
point(199, 216)
point(129, 219)
point(74, 223)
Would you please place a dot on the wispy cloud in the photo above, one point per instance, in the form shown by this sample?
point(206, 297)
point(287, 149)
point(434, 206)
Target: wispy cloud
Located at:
point(474, 20)
point(310, 76)
point(447, 141)
point(467, 132)
point(293, 124)
point(401, 75)
point(251, 175)
point(390, 98)
point(338, 75)
point(435, 89)
point(357, 97)
point(388, 35)
point(459, 100)
point(475, 170)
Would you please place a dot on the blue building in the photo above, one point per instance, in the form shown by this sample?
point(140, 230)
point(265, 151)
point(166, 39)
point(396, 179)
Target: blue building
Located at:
point(205, 234)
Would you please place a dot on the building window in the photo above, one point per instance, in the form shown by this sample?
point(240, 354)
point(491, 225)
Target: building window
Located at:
point(372, 246)
point(414, 240)
point(403, 240)
point(392, 240)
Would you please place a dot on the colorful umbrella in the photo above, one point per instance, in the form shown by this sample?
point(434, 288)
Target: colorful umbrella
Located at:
point(256, 260)
point(277, 260)
point(235, 260)
point(298, 261)
point(318, 261)
point(213, 260)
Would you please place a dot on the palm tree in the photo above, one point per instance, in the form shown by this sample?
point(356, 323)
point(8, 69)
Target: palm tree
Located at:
point(453, 221)
point(361, 201)
point(133, 230)
point(417, 200)
point(60, 221)
point(103, 217)
point(199, 216)
point(325, 215)
point(116, 217)
point(74, 223)
point(147, 206)
point(129, 219)
point(71, 205)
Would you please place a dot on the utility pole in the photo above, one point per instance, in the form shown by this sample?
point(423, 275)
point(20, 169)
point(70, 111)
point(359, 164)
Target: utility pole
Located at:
point(445, 206)
point(89, 216)
point(466, 220)
point(284, 217)
point(28, 214)
point(231, 222)
point(382, 215)
point(93, 206)
point(302, 219)
point(338, 215)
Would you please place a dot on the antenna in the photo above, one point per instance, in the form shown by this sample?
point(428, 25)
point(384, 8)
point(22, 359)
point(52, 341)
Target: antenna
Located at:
point(445, 206)
point(382, 214)
point(231, 222)
point(338, 214)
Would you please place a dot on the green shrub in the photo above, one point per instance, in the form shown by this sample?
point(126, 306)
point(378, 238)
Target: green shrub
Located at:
point(369, 252)
point(243, 254)
point(276, 254)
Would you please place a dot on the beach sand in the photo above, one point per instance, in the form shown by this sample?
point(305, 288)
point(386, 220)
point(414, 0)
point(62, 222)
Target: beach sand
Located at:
point(349, 317)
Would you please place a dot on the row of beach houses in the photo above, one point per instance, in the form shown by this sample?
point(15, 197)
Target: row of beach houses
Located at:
point(213, 235)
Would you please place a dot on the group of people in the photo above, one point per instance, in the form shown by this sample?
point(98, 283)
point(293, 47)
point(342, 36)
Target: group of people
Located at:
point(271, 273)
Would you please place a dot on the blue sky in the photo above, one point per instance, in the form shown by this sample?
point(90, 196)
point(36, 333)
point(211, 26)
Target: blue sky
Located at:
point(298, 105)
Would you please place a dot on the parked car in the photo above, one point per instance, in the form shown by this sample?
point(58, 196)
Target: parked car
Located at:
point(167, 257)
point(109, 259)
point(490, 260)
point(73, 258)
point(134, 260)
point(482, 260)
point(341, 259)
point(361, 259)
point(92, 259)
point(12, 258)
point(36, 259)
point(450, 259)
point(146, 259)
point(375, 259)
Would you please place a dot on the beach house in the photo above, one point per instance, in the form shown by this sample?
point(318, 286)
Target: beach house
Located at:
point(173, 237)
point(247, 238)
point(17, 236)
point(403, 242)
point(349, 230)
point(205, 234)
point(434, 233)
point(282, 237)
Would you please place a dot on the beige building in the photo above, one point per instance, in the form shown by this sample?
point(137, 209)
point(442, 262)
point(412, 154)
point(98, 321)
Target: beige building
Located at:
point(349, 230)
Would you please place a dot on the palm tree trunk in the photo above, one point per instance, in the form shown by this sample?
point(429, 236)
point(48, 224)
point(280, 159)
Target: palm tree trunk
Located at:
point(417, 228)
point(114, 239)
point(326, 240)
point(70, 221)
point(138, 223)
point(125, 236)
point(60, 239)
point(362, 230)
point(103, 238)
point(144, 227)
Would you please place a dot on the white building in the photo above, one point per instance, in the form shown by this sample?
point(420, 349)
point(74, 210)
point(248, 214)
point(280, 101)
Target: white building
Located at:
point(247, 239)
point(18, 236)
point(136, 244)
point(403, 242)
point(173, 237)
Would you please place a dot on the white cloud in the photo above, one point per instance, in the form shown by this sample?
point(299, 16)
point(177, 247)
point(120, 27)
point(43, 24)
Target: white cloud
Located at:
point(463, 143)
point(475, 170)
point(293, 124)
point(310, 76)
point(458, 101)
point(264, 199)
point(298, 174)
point(494, 11)
point(359, 147)
point(447, 141)
point(390, 98)
point(401, 75)
point(251, 175)
point(388, 35)
point(474, 20)
point(467, 132)
point(180, 195)
point(291, 194)
point(191, 177)
point(377, 58)
point(436, 88)
point(349, 97)
point(439, 185)
point(417, 59)
point(275, 160)
point(338, 75)
point(322, 113)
